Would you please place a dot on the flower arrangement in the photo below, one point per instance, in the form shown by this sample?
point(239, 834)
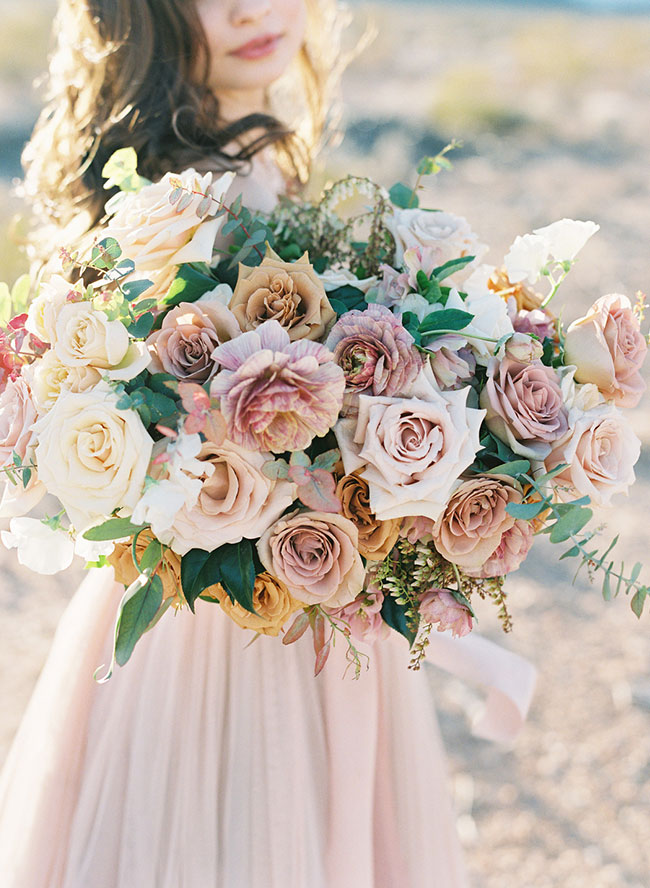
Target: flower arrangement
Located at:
point(320, 419)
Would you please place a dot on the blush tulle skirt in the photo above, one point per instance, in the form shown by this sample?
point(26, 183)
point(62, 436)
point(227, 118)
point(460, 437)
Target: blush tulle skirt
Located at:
point(205, 763)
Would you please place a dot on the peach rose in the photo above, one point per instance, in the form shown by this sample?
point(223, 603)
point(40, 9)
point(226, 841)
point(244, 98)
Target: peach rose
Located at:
point(600, 451)
point(288, 292)
point(509, 554)
point(189, 334)
point(272, 601)
point(376, 538)
point(608, 349)
point(169, 571)
point(475, 519)
point(524, 406)
point(315, 555)
point(236, 500)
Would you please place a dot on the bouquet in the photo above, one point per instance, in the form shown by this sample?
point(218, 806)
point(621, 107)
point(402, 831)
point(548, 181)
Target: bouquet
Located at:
point(332, 418)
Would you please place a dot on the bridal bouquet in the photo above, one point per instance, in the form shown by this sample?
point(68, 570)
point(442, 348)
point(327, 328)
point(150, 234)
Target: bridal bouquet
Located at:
point(332, 418)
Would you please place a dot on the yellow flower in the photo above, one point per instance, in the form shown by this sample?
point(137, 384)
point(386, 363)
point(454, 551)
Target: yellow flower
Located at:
point(169, 570)
point(272, 601)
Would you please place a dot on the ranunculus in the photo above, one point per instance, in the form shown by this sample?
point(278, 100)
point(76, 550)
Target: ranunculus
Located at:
point(48, 377)
point(375, 350)
point(315, 554)
point(40, 547)
point(475, 518)
point(169, 570)
point(512, 550)
point(363, 617)
point(608, 349)
point(524, 406)
point(442, 236)
point(290, 293)
point(272, 601)
point(439, 606)
point(92, 455)
point(84, 337)
point(376, 538)
point(189, 334)
point(600, 451)
point(236, 500)
point(411, 450)
point(157, 235)
point(277, 395)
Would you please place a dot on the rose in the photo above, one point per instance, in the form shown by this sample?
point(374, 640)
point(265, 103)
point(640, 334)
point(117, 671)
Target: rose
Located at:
point(17, 415)
point(363, 616)
point(48, 377)
point(272, 601)
point(85, 337)
point(411, 450)
point(475, 518)
point(439, 606)
point(524, 406)
point(522, 349)
point(92, 455)
point(608, 349)
point(600, 452)
point(315, 555)
point(188, 336)
point(376, 538)
point(288, 292)
point(236, 500)
point(509, 554)
point(43, 310)
point(169, 570)
point(451, 367)
point(159, 236)
point(392, 287)
point(338, 276)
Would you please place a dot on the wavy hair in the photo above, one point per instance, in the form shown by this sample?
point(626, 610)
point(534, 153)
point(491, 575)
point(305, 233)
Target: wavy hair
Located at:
point(135, 73)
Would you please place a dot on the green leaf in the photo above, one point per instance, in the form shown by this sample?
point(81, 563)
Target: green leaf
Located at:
point(113, 529)
point(143, 326)
point(607, 589)
point(404, 197)
point(151, 557)
point(134, 289)
point(542, 479)
point(162, 404)
point(350, 296)
point(394, 615)
point(193, 565)
point(514, 468)
point(339, 307)
point(569, 524)
point(638, 600)
point(446, 319)
point(137, 613)
point(636, 570)
point(449, 268)
point(20, 294)
point(237, 569)
point(462, 599)
point(526, 511)
point(570, 553)
point(120, 171)
point(230, 225)
point(188, 286)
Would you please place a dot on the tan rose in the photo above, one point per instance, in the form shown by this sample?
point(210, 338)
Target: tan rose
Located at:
point(608, 349)
point(288, 292)
point(376, 538)
point(272, 601)
point(169, 571)
point(189, 334)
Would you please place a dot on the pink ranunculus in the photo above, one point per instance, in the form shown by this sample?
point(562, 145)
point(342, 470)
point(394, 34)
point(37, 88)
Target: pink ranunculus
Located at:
point(524, 406)
point(363, 616)
point(509, 554)
point(315, 554)
point(376, 352)
point(608, 349)
point(277, 395)
point(451, 367)
point(439, 606)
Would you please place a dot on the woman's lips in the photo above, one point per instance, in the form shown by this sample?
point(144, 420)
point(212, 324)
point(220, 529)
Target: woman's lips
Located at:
point(258, 48)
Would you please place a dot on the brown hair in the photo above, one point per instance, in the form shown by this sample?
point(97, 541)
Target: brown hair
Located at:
point(135, 73)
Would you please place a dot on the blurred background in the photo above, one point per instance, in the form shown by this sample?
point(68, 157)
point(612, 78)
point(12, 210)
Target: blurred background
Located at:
point(552, 102)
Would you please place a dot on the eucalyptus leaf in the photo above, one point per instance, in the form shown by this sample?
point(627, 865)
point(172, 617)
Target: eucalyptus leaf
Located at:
point(526, 511)
point(403, 196)
point(570, 523)
point(638, 600)
point(514, 468)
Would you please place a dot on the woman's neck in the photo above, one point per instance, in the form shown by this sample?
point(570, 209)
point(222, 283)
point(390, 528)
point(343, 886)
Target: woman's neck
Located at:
point(235, 104)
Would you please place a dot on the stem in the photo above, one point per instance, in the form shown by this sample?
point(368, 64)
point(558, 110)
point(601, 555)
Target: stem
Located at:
point(242, 226)
point(555, 287)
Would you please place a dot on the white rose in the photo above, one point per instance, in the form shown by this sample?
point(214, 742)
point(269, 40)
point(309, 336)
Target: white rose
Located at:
point(40, 548)
point(44, 309)
point(85, 337)
point(338, 276)
point(91, 455)
point(48, 377)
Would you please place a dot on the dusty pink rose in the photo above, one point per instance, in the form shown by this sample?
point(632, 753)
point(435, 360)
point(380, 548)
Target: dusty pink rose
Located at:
point(534, 321)
point(439, 606)
point(189, 334)
point(363, 616)
point(451, 367)
point(315, 555)
point(236, 500)
point(523, 348)
point(524, 406)
point(600, 452)
point(509, 554)
point(475, 519)
point(608, 349)
point(375, 351)
point(277, 395)
point(417, 529)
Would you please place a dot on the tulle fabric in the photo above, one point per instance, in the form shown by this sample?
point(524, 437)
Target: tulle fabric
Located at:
point(208, 764)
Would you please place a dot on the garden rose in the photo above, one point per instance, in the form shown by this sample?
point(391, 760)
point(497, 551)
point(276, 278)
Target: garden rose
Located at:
point(169, 570)
point(524, 406)
point(509, 554)
point(411, 450)
point(290, 293)
point(608, 349)
point(84, 337)
point(236, 500)
point(277, 395)
point(49, 377)
point(315, 554)
point(53, 294)
point(272, 601)
point(92, 455)
point(439, 606)
point(363, 617)
point(189, 334)
point(376, 538)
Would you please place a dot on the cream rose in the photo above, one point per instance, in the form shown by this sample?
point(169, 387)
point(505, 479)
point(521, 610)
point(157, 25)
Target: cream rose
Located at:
point(608, 349)
point(49, 377)
point(85, 337)
point(43, 310)
point(91, 455)
point(315, 555)
point(411, 450)
point(236, 500)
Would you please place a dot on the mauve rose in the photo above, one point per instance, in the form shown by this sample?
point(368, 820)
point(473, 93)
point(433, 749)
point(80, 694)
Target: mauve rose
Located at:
point(376, 538)
point(272, 601)
point(475, 519)
point(522, 348)
point(184, 345)
point(236, 500)
point(534, 321)
point(509, 554)
point(439, 606)
point(363, 616)
point(375, 351)
point(600, 452)
point(315, 555)
point(524, 406)
point(393, 286)
point(608, 349)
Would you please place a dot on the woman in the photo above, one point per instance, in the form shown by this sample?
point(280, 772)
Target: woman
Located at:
point(205, 763)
